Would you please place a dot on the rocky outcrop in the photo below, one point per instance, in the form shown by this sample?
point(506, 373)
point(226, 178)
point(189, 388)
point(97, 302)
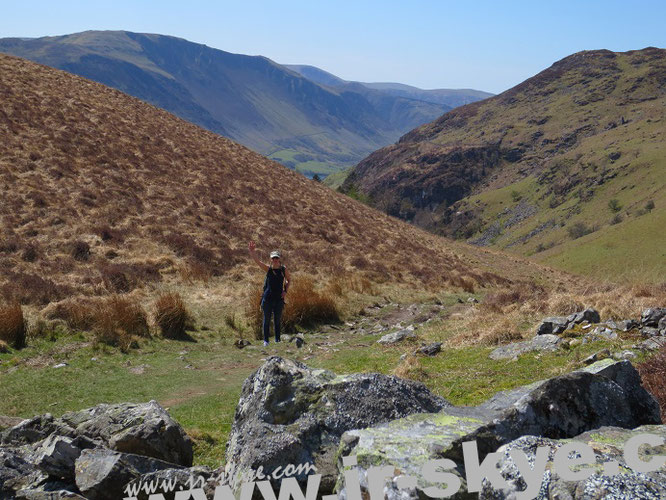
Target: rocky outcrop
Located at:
point(559, 324)
point(93, 452)
point(291, 414)
point(605, 394)
point(608, 481)
point(546, 342)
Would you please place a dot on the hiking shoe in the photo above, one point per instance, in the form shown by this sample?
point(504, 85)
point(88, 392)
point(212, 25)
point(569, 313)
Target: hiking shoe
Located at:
point(265, 343)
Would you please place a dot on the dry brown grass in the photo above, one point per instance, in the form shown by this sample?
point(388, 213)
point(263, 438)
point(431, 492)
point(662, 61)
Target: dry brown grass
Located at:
point(118, 321)
point(513, 314)
point(172, 316)
point(305, 306)
point(75, 151)
point(12, 325)
point(410, 368)
point(653, 374)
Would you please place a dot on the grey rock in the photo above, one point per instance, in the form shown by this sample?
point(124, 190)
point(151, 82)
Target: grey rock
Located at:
point(608, 444)
point(644, 407)
point(599, 333)
point(558, 408)
point(649, 331)
point(102, 474)
point(35, 429)
point(662, 325)
point(395, 337)
point(298, 340)
point(430, 349)
point(552, 325)
point(627, 325)
point(651, 344)
point(47, 494)
point(597, 356)
point(142, 429)
point(289, 413)
point(56, 455)
point(545, 342)
point(17, 472)
point(180, 478)
point(652, 316)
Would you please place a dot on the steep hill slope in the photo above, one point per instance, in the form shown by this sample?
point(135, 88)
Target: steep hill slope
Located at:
point(570, 165)
point(252, 100)
point(104, 193)
point(449, 97)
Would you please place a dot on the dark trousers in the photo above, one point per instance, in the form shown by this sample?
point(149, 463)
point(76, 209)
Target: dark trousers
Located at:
point(275, 309)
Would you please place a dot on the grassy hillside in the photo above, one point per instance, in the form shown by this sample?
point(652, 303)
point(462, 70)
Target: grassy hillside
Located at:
point(109, 198)
point(252, 100)
point(567, 167)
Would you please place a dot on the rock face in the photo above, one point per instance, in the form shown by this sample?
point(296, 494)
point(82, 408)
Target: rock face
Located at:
point(89, 450)
point(608, 444)
point(545, 342)
point(604, 394)
point(291, 414)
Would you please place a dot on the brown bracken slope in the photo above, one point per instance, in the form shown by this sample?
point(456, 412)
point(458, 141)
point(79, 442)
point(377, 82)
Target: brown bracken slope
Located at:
point(103, 193)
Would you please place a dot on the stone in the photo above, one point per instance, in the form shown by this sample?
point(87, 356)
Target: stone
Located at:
point(430, 349)
point(102, 474)
point(545, 342)
point(35, 429)
point(652, 344)
point(607, 444)
point(141, 429)
point(597, 356)
point(395, 337)
point(552, 325)
point(662, 325)
point(179, 478)
point(298, 340)
point(56, 455)
point(47, 495)
point(649, 331)
point(627, 325)
point(652, 316)
point(291, 414)
point(559, 408)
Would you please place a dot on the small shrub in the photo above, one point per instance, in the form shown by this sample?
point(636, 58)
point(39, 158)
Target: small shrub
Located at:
point(79, 315)
point(649, 206)
point(4, 348)
point(307, 307)
point(578, 230)
point(516, 196)
point(172, 316)
point(118, 320)
point(30, 253)
point(12, 325)
point(617, 219)
point(80, 251)
point(653, 374)
point(614, 205)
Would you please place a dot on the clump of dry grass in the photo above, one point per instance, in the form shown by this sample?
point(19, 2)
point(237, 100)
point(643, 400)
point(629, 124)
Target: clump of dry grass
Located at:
point(172, 316)
point(4, 348)
point(12, 325)
point(410, 368)
point(305, 306)
point(78, 314)
point(653, 374)
point(118, 321)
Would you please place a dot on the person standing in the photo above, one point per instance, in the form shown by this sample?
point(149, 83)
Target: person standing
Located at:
point(276, 285)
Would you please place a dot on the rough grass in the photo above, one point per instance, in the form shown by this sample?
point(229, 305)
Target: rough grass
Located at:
point(12, 325)
point(118, 321)
point(172, 316)
point(653, 373)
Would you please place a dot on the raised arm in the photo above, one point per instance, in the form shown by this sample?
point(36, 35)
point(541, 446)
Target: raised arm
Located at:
point(253, 253)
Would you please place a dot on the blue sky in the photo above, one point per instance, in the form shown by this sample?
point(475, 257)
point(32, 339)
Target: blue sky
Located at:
point(486, 45)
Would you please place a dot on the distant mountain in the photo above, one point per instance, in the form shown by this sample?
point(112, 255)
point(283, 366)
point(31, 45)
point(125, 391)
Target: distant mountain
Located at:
point(449, 97)
point(252, 100)
point(569, 166)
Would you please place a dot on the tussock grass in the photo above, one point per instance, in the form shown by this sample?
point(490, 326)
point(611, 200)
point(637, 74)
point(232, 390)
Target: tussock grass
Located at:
point(172, 316)
point(305, 306)
point(118, 321)
point(12, 325)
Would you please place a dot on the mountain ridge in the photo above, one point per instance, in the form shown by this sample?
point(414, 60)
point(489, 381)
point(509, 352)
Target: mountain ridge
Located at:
point(533, 170)
point(250, 99)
